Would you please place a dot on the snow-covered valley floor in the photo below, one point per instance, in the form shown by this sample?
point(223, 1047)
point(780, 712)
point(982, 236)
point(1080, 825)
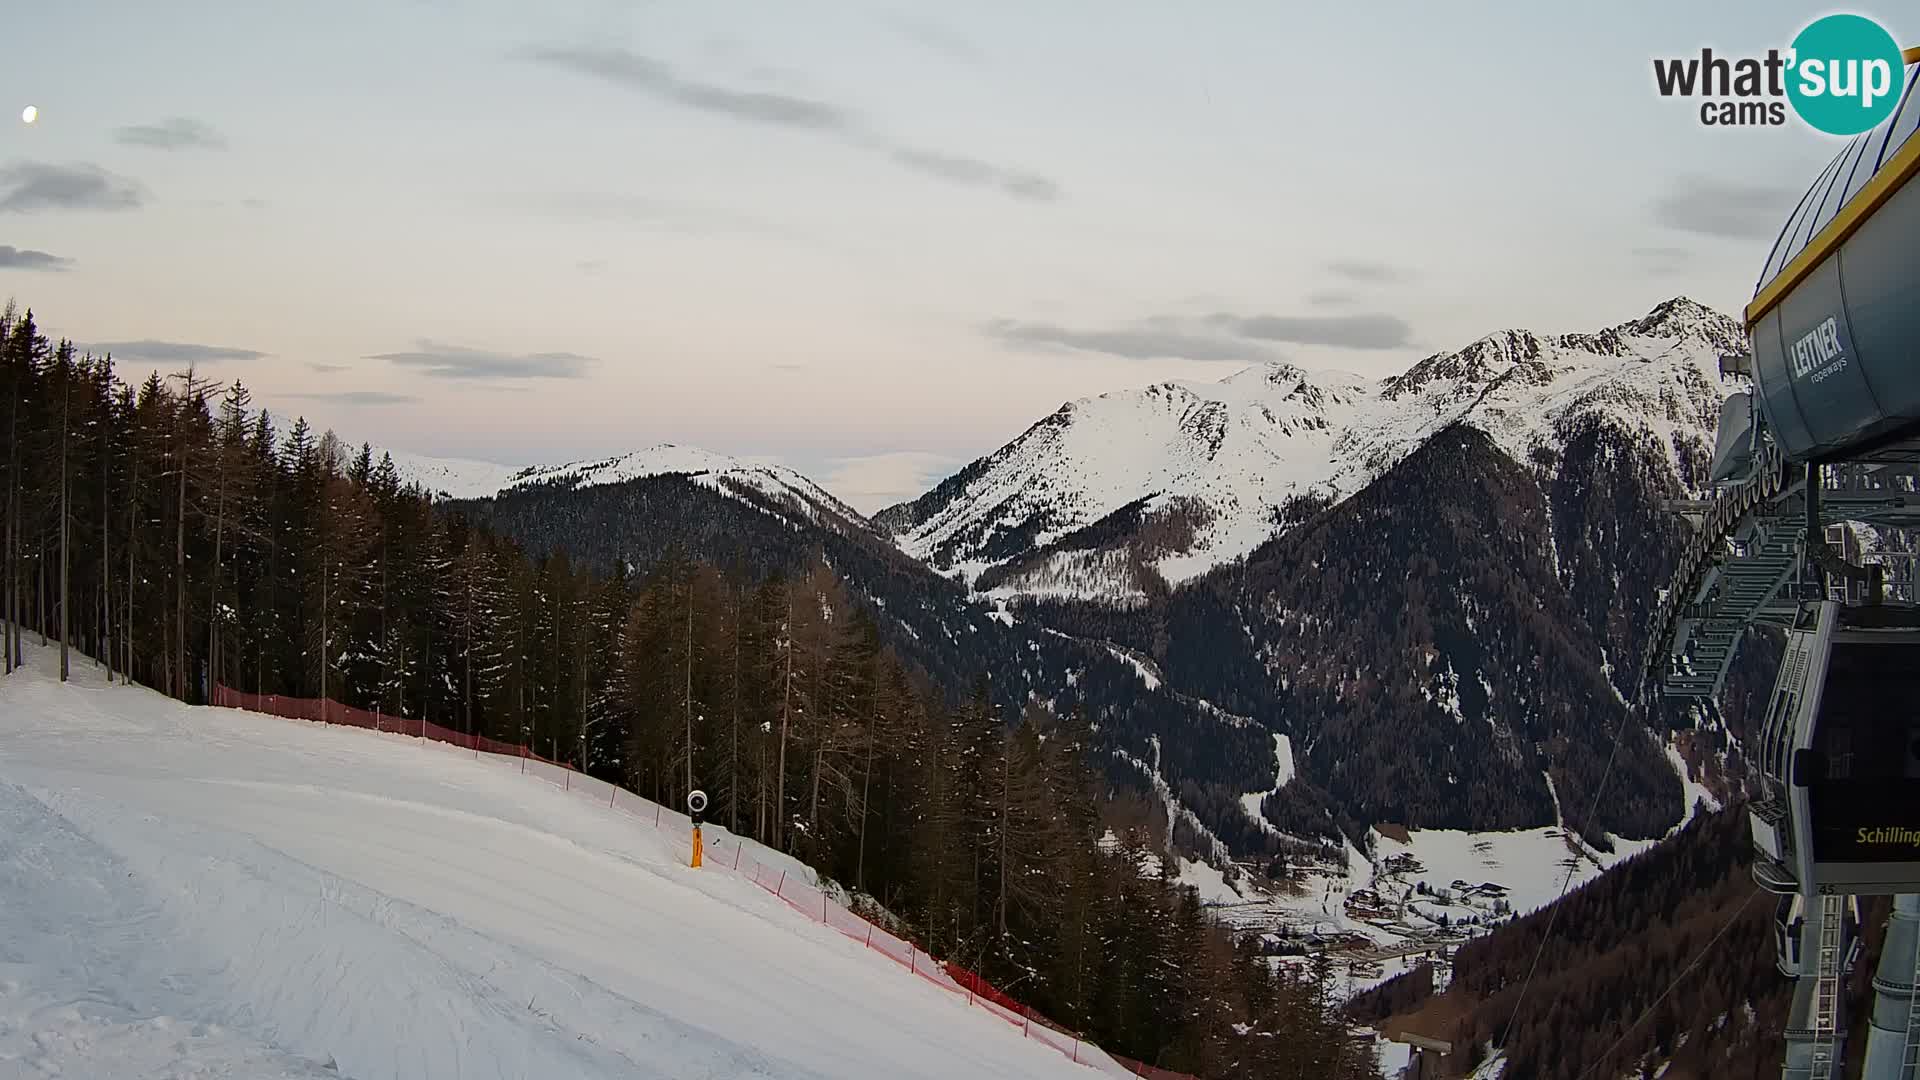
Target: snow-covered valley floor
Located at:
point(211, 893)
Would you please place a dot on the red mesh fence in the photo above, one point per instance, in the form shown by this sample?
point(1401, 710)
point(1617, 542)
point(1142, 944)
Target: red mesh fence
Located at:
point(721, 852)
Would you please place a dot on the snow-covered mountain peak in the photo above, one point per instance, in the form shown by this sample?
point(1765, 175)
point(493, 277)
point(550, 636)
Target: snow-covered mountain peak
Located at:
point(454, 478)
point(1210, 470)
point(1686, 320)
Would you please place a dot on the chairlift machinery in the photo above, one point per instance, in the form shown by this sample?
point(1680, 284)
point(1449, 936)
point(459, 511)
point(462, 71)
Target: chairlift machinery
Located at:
point(1823, 449)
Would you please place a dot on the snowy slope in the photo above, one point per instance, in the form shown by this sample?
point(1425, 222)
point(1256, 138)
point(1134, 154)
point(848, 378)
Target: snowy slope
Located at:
point(453, 478)
point(210, 892)
point(456, 478)
point(1225, 458)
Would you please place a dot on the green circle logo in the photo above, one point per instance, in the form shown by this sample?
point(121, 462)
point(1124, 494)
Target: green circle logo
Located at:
point(1846, 74)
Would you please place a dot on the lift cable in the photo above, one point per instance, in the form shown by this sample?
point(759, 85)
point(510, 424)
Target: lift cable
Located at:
point(1553, 912)
point(1684, 972)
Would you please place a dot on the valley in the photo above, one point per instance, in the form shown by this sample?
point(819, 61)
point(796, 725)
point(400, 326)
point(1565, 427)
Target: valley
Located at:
point(1102, 560)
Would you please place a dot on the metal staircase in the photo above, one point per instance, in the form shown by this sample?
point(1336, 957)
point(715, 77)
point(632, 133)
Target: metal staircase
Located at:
point(1826, 994)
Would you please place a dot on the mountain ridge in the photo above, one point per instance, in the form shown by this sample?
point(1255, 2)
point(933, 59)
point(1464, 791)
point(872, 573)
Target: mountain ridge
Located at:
point(1564, 445)
point(1221, 465)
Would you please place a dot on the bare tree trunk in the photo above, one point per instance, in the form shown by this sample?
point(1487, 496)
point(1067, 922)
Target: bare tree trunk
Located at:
point(1006, 787)
point(733, 765)
point(813, 799)
point(106, 546)
point(213, 590)
point(466, 678)
point(866, 786)
point(133, 502)
point(179, 651)
point(786, 710)
point(40, 591)
point(66, 532)
point(553, 720)
point(6, 572)
point(386, 642)
point(10, 617)
point(326, 649)
point(686, 707)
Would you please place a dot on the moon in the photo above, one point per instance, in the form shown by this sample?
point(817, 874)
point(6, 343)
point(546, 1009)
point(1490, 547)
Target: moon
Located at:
point(29, 114)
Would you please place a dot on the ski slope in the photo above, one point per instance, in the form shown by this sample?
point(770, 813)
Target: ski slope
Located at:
point(207, 892)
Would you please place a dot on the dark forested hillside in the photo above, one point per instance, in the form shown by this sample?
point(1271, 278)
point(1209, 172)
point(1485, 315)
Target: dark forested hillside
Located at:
point(930, 621)
point(1449, 638)
point(1418, 645)
point(182, 539)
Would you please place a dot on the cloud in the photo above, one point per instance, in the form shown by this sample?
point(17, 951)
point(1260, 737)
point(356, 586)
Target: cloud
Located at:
point(791, 112)
point(591, 267)
point(359, 397)
point(1726, 209)
point(876, 481)
point(13, 258)
point(175, 352)
point(1360, 331)
point(456, 362)
point(649, 76)
point(934, 37)
point(326, 369)
point(34, 185)
point(1327, 298)
point(964, 170)
point(1371, 272)
point(173, 133)
point(1151, 340)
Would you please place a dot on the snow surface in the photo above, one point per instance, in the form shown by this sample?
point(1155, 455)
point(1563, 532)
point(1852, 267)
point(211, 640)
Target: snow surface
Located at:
point(1531, 864)
point(1233, 453)
point(1283, 771)
point(456, 478)
point(1209, 881)
point(453, 478)
point(207, 892)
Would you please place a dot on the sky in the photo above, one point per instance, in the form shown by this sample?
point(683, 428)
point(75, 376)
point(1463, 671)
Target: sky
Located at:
point(872, 239)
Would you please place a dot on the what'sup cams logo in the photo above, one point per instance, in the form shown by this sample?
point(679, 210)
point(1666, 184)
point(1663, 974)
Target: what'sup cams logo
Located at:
point(1843, 75)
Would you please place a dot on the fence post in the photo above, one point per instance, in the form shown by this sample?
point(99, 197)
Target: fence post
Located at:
point(376, 718)
point(782, 886)
point(656, 815)
point(1076, 1051)
point(869, 935)
point(1027, 1030)
point(737, 848)
point(823, 907)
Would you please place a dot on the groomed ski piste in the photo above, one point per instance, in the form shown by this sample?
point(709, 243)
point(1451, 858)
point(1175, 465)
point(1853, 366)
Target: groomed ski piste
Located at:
point(199, 892)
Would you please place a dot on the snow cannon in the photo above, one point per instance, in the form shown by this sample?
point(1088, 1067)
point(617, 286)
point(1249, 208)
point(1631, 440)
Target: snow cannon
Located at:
point(1835, 318)
point(696, 806)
